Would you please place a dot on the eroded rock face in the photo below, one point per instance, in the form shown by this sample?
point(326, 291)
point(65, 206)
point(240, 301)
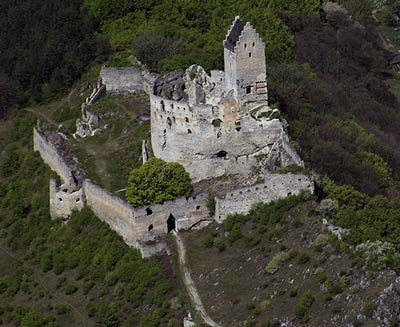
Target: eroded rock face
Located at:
point(387, 304)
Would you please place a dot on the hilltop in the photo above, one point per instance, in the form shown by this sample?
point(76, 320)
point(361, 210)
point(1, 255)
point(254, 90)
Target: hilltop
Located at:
point(326, 259)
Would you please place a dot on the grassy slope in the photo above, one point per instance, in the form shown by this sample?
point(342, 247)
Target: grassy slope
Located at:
point(235, 287)
point(109, 156)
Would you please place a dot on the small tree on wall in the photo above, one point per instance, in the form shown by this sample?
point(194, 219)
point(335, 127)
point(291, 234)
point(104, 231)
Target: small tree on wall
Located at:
point(157, 181)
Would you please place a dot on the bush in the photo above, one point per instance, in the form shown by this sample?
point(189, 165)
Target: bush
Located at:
point(211, 203)
point(293, 291)
point(328, 208)
point(305, 302)
point(71, 289)
point(321, 275)
point(276, 262)
point(368, 308)
point(219, 243)
point(209, 240)
point(375, 253)
point(302, 258)
point(355, 288)
point(157, 181)
point(61, 309)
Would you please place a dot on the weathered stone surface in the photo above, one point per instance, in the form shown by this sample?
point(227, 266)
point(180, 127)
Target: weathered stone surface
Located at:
point(149, 249)
point(89, 124)
point(122, 79)
point(276, 186)
point(112, 210)
point(64, 200)
point(223, 125)
point(195, 136)
point(54, 152)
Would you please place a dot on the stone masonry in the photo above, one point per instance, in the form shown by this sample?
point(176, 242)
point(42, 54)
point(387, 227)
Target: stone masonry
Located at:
point(214, 125)
point(221, 124)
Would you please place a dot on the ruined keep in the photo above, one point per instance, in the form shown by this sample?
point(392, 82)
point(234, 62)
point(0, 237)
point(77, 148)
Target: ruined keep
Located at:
point(221, 124)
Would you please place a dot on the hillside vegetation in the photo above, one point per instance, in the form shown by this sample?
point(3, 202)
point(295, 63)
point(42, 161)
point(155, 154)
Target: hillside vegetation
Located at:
point(279, 264)
point(327, 72)
point(81, 273)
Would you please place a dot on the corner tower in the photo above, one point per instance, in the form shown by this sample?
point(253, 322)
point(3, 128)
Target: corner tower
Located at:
point(244, 59)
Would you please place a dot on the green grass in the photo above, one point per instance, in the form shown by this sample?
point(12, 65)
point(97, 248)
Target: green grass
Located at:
point(109, 156)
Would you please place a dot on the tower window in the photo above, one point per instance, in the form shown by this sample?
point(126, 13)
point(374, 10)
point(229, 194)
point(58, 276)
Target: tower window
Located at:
point(249, 54)
point(248, 89)
point(254, 44)
point(245, 45)
point(189, 131)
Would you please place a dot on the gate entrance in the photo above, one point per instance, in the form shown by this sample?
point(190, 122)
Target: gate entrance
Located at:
point(170, 223)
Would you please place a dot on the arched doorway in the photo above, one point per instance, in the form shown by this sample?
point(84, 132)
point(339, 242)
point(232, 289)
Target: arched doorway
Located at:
point(170, 223)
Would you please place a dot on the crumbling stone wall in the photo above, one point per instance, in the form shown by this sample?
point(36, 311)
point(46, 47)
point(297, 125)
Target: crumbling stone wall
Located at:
point(112, 210)
point(152, 221)
point(122, 79)
point(276, 186)
point(53, 152)
point(64, 200)
point(211, 141)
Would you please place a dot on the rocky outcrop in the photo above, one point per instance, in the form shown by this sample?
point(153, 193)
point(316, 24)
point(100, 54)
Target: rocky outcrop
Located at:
point(387, 305)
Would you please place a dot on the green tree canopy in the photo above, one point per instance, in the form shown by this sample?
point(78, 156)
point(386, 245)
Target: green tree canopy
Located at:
point(157, 181)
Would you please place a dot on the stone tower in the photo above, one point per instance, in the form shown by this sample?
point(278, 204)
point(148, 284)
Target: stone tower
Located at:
point(244, 58)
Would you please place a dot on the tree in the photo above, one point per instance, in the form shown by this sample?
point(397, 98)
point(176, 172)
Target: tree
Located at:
point(152, 47)
point(157, 181)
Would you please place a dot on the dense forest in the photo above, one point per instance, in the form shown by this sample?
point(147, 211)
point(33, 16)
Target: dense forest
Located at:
point(327, 70)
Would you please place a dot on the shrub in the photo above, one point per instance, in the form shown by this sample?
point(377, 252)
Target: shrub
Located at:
point(320, 240)
point(87, 286)
point(211, 203)
point(328, 208)
point(71, 289)
point(276, 262)
point(368, 308)
point(305, 302)
point(354, 288)
point(209, 241)
point(321, 275)
point(302, 258)
point(219, 243)
point(293, 291)
point(375, 253)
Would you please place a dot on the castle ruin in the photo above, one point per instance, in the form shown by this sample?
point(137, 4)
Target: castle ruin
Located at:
point(221, 124)
point(214, 125)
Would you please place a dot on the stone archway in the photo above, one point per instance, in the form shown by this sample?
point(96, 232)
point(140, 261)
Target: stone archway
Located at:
point(171, 223)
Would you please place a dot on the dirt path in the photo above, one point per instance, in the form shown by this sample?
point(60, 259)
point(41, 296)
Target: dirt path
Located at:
point(189, 283)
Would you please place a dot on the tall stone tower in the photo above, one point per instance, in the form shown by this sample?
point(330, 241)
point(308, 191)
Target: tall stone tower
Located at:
point(244, 57)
